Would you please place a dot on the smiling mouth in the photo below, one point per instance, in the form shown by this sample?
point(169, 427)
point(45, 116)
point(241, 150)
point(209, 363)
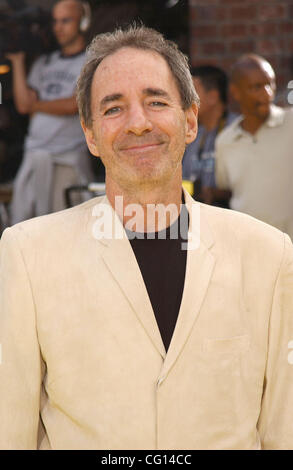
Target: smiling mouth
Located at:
point(141, 148)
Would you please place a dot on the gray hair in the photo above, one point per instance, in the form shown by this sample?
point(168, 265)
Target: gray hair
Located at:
point(139, 37)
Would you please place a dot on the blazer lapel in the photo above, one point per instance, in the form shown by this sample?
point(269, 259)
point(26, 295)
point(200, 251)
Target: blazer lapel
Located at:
point(199, 269)
point(120, 259)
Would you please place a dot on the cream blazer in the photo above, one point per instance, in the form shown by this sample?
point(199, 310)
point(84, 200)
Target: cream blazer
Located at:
point(81, 348)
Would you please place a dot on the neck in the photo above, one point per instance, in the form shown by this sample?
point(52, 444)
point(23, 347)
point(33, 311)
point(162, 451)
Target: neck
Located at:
point(251, 124)
point(74, 47)
point(152, 210)
point(210, 120)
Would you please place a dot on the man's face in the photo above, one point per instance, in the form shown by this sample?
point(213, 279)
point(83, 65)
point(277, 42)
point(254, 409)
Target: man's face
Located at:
point(139, 127)
point(255, 91)
point(66, 20)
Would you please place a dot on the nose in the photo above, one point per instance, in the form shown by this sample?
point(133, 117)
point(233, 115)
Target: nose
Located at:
point(137, 120)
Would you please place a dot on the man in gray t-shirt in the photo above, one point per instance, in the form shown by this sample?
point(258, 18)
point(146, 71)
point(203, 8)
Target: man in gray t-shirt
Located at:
point(54, 77)
point(55, 151)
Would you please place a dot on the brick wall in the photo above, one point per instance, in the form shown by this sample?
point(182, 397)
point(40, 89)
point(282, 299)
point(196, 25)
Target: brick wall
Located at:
point(221, 30)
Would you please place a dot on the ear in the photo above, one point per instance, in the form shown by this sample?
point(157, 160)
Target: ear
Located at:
point(191, 123)
point(90, 139)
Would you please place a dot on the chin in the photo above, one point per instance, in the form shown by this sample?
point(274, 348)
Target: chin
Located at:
point(263, 113)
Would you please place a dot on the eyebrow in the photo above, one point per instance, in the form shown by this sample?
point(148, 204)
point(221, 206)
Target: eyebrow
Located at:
point(146, 91)
point(109, 98)
point(155, 92)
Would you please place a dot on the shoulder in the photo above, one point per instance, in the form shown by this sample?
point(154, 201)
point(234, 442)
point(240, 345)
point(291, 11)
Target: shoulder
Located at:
point(288, 114)
point(78, 58)
point(247, 236)
point(228, 134)
point(53, 230)
point(45, 59)
point(231, 116)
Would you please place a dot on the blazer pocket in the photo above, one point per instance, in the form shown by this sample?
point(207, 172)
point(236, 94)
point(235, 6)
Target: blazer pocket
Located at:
point(234, 345)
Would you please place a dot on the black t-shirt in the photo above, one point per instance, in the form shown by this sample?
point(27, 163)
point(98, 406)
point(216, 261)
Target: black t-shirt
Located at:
point(161, 257)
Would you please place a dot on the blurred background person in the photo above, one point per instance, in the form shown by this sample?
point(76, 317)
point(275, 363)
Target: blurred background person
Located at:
point(254, 158)
point(55, 154)
point(211, 84)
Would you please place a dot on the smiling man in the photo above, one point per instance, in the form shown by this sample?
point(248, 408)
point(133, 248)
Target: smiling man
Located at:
point(254, 155)
point(122, 339)
point(139, 132)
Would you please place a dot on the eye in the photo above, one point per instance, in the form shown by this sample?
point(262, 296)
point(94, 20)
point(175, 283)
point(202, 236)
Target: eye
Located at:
point(158, 103)
point(113, 110)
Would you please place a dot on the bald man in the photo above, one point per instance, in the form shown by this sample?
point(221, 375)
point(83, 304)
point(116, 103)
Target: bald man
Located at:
point(254, 155)
point(55, 154)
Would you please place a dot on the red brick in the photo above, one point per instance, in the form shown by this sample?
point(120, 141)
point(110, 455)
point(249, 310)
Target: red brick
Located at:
point(192, 15)
point(284, 43)
point(193, 47)
point(233, 30)
point(286, 27)
point(281, 80)
point(242, 47)
point(222, 13)
point(239, 2)
point(221, 30)
point(205, 31)
point(286, 62)
point(263, 29)
point(243, 13)
point(210, 13)
point(193, 3)
point(225, 63)
point(213, 48)
point(268, 46)
point(204, 13)
point(267, 12)
point(290, 12)
point(204, 61)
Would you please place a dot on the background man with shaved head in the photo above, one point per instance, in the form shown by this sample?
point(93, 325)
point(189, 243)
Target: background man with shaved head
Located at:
point(254, 154)
point(55, 151)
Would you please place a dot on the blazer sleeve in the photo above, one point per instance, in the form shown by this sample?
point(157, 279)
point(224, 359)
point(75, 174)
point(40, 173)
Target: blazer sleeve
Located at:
point(275, 423)
point(20, 367)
